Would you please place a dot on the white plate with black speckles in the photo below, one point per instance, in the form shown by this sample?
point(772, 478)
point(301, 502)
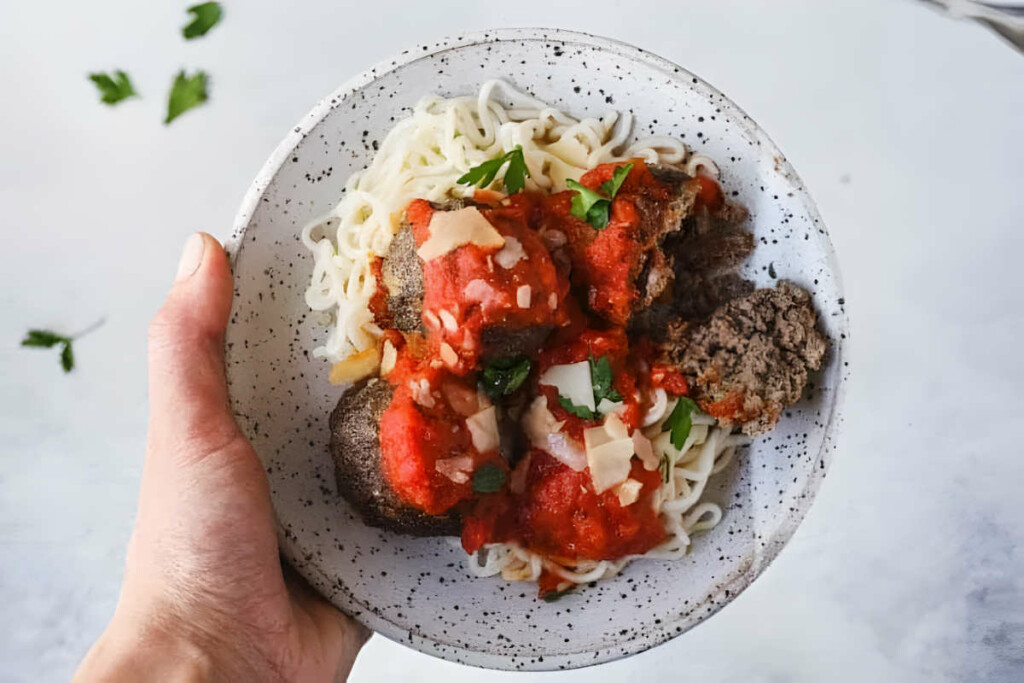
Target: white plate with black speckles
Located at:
point(417, 591)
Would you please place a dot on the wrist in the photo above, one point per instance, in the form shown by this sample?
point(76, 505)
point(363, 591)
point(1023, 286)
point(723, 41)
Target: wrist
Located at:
point(129, 650)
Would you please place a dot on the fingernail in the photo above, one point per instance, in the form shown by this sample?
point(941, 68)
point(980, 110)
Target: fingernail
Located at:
point(191, 257)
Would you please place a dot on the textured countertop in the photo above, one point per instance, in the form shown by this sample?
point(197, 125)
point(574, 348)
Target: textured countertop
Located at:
point(907, 127)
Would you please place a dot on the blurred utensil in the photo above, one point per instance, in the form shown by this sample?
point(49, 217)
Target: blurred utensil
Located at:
point(1005, 19)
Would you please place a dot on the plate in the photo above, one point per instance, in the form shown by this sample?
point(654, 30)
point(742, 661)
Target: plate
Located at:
point(417, 591)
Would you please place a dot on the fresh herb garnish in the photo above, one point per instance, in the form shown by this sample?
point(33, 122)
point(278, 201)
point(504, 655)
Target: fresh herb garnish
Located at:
point(45, 339)
point(503, 376)
point(601, 379)
point(582, 412)
point(206, 17)
point(113, 89)
point(680, 420)
point(515, 175)
point(186, 92)
point(555, 596)
point(488, 478)
point(594, 207)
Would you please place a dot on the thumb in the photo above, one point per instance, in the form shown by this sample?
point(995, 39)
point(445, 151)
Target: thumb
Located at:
point(188, 393)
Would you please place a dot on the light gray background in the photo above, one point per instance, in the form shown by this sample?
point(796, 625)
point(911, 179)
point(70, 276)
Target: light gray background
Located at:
point(907, 127)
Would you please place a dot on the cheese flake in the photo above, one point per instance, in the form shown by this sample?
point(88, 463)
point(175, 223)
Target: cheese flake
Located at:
point(450, 230)
point(483, 429)
point(573, 382)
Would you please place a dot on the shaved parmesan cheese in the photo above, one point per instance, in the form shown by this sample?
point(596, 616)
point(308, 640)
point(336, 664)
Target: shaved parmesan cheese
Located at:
point(606, 407)
point(448, 320)
point(457, 468)
point(523, 296)
point(478, 290)
point(510, 254)
point(421, 393)
point(609, 451)
point(552, 301)
point(572, 381)
point(483, 429)
point(643, 449)
point(544, 432)
point(450, 230)
point(388, 358)
point(431, 318)
point(463, 400)
point(355, 367)
point(448, 355)
point(628, 492)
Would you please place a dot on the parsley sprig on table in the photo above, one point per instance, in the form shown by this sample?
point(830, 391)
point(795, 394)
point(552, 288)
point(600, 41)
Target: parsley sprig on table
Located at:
point(515, 175)
point(47, 339)
point(206, 15)
point(113, 89)
point(187, 92)
point(595, 207)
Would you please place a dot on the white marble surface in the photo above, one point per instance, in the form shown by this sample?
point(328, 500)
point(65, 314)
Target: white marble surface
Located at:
point(907, 127)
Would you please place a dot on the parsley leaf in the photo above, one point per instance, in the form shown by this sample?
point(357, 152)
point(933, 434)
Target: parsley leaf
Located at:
point(579, 411)
point(113, 89)
point(206, 17)
point(680, 420)
point(595, 207)
point(488, 478)
point(555, 596)
point(503, 376)
point(484, 174)
point(186, 92)
point(610, 188)
point(44, 339)
point(601, 379)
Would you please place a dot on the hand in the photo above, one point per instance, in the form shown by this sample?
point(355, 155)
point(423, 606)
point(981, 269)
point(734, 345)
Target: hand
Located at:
point(204, 595)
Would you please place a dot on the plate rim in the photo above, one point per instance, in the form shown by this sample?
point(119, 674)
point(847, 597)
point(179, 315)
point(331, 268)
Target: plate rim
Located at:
point(723, 593)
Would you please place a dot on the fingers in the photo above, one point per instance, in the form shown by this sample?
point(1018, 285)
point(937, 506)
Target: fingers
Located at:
point(187, 389)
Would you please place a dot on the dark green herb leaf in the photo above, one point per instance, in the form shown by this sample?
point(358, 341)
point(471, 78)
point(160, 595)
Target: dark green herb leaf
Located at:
point(206, 16)
point(67, 357)
point(601, 379)
point(579, 411)
point(43, 338)
point(680, 420)
point(595, 207)
point(488, 478)
point(113, 90)
point(610, 188)
point(665, 467)
point(503, 376)
point(484, 174)
point(186, 92)
point(555, 596)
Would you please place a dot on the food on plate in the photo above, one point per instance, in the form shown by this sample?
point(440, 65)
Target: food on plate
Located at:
point(546, 337)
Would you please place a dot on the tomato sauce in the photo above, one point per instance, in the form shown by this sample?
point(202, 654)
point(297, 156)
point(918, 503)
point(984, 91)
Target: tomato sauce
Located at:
point(606, 262)
point(421, 426)
point(479, 293)
point(561, 517)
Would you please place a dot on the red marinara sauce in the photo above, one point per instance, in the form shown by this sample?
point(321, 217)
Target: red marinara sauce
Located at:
point(424, 424)
point(479, 293)
point(557, 513)
point(606, 262)
point(560, 516)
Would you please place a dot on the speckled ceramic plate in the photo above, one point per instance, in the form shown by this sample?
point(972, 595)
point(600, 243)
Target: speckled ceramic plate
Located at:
point(416, 591)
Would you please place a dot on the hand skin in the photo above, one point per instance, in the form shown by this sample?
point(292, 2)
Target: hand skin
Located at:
point(204, 596)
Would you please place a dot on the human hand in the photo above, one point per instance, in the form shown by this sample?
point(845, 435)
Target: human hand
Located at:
point(204, 595)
